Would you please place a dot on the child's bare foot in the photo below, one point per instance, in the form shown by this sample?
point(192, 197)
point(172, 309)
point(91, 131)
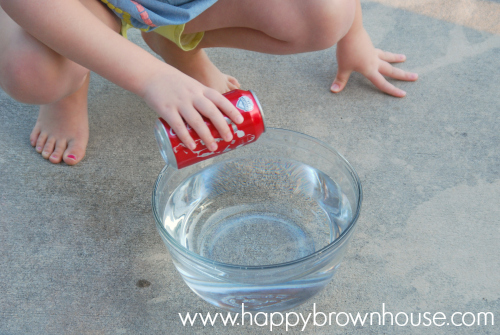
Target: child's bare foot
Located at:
point(62, 131)
point(195, 63)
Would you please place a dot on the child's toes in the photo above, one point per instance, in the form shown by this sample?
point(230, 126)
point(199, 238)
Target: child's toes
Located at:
point(233, 82)
point(40, 142)
point(74, 153)
point(57, 155)
point(48, 148)
point(34, 136)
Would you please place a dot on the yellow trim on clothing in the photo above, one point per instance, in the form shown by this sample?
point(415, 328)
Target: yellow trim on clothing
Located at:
point(174, 33)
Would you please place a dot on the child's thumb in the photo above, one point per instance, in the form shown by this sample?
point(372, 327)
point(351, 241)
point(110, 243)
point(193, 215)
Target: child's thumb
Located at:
point(340, 81)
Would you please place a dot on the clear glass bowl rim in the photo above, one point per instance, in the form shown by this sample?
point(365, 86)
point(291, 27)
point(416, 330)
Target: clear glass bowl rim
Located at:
point(192, 255)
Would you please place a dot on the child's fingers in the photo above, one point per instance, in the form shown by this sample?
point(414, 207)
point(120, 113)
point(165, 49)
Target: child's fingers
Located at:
point(340, 80)
point(177, 124)
point(210, 111)
point(390, 57)
point(390, 71)
point(195, 121)
point(225, 106)
point(382, 84)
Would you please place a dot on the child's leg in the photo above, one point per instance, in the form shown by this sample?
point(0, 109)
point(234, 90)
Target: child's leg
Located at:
point(194, 63)
point(268, 26)
point(275, 26)
point(33, 73)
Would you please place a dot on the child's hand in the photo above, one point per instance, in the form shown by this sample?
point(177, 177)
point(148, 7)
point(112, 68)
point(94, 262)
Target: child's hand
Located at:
point(355, 52)
point(178, 98)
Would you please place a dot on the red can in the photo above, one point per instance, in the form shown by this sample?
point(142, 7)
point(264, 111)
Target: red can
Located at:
point(175, 153)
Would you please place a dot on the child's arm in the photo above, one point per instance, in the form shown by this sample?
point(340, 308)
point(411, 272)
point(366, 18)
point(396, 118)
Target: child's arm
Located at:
point(71, 30)
point(355, 52)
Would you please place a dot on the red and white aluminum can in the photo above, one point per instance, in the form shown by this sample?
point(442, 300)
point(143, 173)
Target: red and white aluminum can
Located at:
point(177, 155)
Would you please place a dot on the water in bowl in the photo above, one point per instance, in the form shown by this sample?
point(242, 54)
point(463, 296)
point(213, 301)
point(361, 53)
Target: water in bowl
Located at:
point(255, 212)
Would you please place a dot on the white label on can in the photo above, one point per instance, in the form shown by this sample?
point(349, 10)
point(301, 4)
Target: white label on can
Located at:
point(237, 132)
point(245, 104)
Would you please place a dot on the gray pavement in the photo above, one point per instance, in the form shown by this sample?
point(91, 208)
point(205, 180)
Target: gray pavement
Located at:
point(79, 252)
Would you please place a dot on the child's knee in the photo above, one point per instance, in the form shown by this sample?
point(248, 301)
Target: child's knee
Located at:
point(326, 22)
point(27, 77)
point(25, 80)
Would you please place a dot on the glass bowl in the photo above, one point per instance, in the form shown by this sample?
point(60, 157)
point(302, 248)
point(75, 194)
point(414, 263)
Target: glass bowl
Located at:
point(265, 226)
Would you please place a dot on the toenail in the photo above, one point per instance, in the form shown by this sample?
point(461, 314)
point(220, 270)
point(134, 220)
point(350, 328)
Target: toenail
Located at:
point(39, 148)
point(72, 157)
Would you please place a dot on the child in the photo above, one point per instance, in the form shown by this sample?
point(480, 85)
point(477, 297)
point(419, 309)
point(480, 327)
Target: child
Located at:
point(47, 49)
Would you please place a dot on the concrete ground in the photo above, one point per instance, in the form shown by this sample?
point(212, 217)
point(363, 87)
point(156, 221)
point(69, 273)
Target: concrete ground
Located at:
point(79, 252)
